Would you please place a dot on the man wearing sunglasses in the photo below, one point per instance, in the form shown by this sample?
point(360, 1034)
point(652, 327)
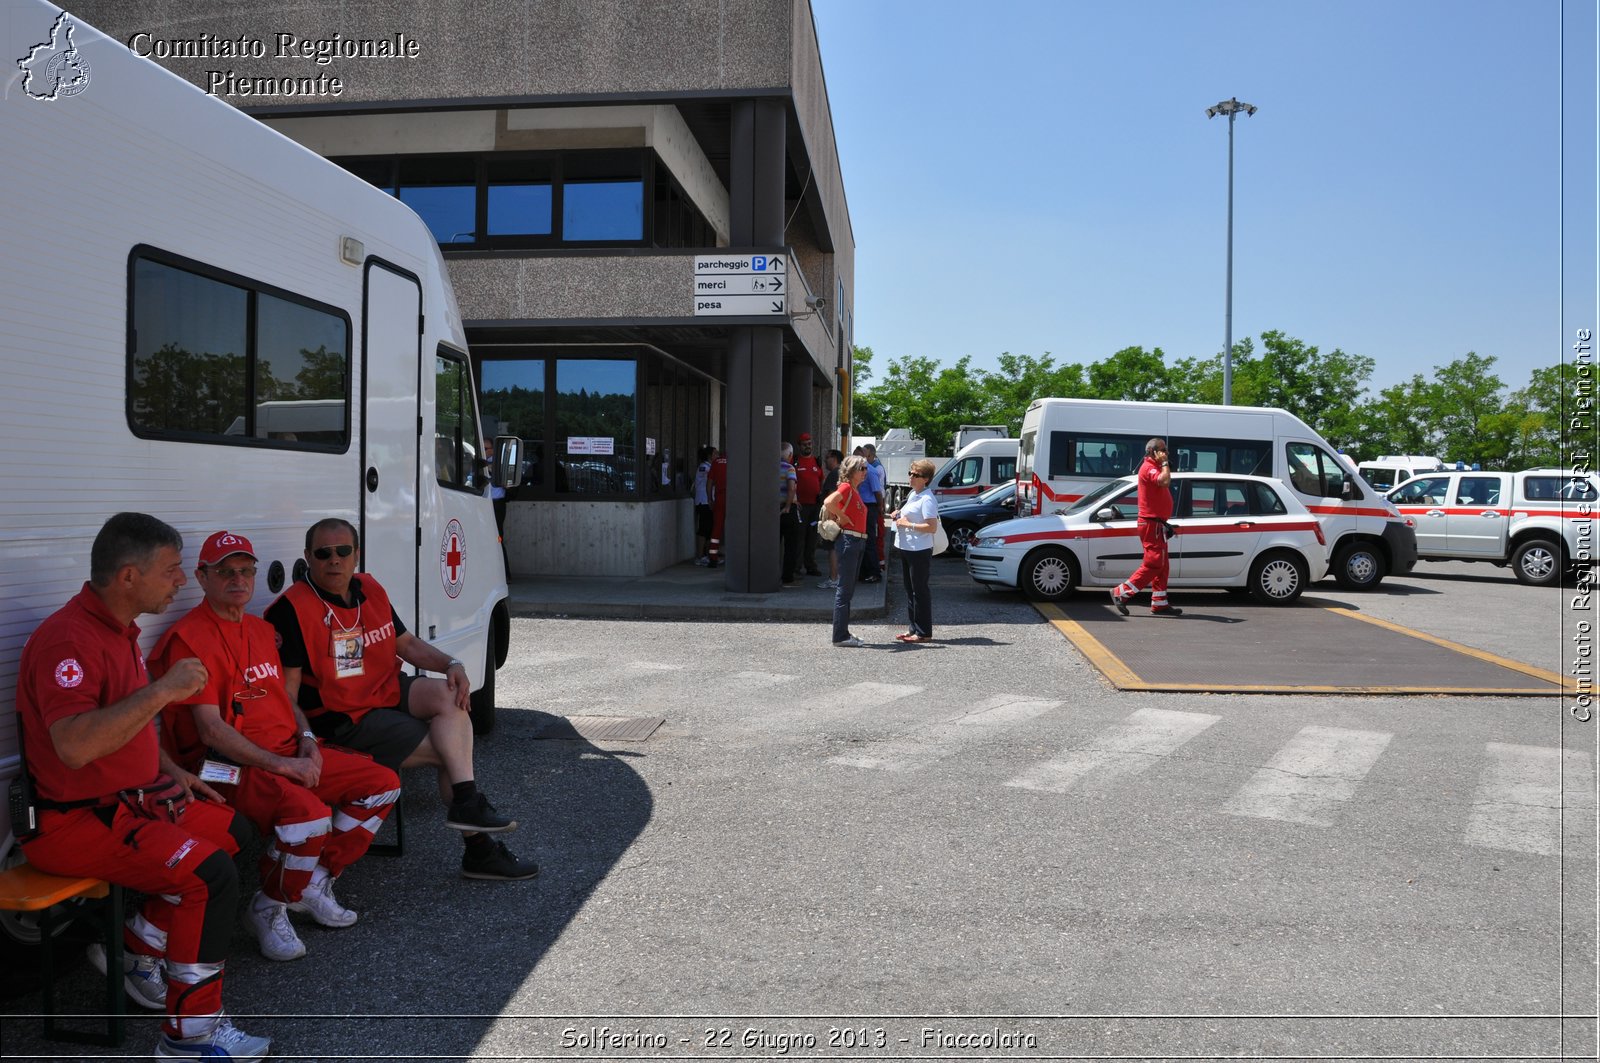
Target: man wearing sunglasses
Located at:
point(243, 734)
point(342, 645)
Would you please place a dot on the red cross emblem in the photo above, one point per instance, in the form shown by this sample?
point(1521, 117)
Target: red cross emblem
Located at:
point(453, 558)
point(69, 673)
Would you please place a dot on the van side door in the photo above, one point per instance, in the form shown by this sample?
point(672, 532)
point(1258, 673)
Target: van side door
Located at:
point(1479, 515)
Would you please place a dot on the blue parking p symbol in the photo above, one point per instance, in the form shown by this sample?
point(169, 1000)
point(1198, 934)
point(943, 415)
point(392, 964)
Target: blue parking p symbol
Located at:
point(758, 262)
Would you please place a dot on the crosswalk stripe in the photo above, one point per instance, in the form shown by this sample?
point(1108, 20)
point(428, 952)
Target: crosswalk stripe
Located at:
point(1123, 750)
point(760, 680)
point(1308, 778)
point(940, 740)
point(655, 666)
point(1517, 805)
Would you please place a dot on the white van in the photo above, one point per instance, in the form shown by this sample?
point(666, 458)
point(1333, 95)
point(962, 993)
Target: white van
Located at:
point(978, 466)
point(1072, 446)
point(1392, 470)
point(207, 322)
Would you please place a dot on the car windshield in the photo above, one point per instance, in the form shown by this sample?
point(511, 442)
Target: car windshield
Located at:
point(1105, 491)
point(997, 494)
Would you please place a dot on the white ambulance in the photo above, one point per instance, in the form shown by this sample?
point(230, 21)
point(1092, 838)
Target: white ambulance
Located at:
point(205, 321)
point(978, 466)
point(1069, 447)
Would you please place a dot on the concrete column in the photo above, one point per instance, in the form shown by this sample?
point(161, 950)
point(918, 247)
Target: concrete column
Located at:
point(797, 402)
point(755, 354)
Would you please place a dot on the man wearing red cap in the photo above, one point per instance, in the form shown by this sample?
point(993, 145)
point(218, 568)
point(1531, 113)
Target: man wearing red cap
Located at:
point(114, 806)
point(243, 735)
point(808, 486)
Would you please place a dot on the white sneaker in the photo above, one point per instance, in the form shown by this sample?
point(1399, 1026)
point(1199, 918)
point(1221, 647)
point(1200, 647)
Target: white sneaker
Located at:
point(850, 642)
point(274, 931)
point(829, 585)
point(144, 977)
point(225, 1041)
point(320, 904)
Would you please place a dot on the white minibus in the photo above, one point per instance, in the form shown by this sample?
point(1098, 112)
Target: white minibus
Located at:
point(1071, 446)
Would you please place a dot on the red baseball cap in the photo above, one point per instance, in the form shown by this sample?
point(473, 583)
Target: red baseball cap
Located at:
point(805, 437)
point(225, 544)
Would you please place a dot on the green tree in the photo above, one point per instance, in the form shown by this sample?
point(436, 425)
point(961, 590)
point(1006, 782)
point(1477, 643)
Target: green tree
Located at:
point(1131, 374)
point(1324, 390)
point(1396, 422)
point(1006, 392)
point(1461, 397)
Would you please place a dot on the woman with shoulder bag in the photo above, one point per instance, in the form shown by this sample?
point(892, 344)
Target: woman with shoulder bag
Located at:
point(914, 527)
point(845, 506)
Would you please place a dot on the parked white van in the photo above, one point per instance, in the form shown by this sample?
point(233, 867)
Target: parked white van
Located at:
point(978, 466)
point(1072, 446)
point(1392, 470)
point(209, 323)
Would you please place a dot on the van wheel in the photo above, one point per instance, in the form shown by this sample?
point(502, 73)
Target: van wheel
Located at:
point(1049, 575)
point(961, 536)
point(1358, 566)
point(482, 708)
point(1279, 577)
point(1537, 562)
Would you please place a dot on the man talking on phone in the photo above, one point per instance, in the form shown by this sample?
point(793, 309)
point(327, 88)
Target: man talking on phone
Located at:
point(1155, 509)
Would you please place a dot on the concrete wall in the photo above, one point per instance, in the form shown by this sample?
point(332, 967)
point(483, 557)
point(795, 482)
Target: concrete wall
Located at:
point(598, 538)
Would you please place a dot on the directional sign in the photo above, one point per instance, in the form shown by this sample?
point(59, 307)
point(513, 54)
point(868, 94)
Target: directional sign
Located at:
point(741, 285)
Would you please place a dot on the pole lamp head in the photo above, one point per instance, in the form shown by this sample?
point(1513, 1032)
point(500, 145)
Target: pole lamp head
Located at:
point(1231, 107)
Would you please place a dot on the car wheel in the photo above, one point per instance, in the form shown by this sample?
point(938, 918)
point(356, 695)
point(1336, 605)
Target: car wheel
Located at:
point(1537, 562)
point(1048, 575)
point(1358, 566)
point(961, 536)
point(1279, 577)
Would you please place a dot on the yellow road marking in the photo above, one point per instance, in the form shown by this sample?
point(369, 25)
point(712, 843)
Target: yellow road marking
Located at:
point(1124, 678)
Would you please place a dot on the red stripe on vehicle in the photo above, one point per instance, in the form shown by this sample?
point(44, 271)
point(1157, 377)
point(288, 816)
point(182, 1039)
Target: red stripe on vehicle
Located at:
point(1356, 511)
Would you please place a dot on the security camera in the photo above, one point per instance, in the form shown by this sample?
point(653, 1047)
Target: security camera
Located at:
point(816, 302)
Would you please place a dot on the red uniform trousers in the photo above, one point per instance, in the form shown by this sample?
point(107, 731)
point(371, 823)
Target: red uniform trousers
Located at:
point(719, 519)
point(1153, 573)
point(302, 829)
point(188, 910)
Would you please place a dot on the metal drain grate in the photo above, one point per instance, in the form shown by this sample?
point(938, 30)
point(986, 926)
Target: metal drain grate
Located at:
point(598, 728)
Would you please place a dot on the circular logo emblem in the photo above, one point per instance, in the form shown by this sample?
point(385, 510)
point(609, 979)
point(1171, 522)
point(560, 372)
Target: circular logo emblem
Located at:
point(453, 558)
point(67, 73)
point(69, 673)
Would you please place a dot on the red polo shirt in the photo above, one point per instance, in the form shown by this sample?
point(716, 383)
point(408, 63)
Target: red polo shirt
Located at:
point(82, 659)
point(807, 479)
point(241, 659)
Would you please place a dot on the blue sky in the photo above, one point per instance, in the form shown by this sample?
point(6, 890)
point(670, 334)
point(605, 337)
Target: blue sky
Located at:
point(1040, 176)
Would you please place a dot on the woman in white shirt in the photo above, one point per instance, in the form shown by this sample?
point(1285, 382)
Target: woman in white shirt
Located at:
point(914, 526)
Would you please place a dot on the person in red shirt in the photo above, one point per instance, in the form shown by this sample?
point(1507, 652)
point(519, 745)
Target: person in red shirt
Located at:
point(1155, 509)
point(808, 487)
point(87, 708)
point(342, 645)
point(718, 479)
point(244, 735)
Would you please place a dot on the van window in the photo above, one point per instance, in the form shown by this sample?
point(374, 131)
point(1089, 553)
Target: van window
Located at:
point(1076, 454)
point(216, 358)
point(1478, 491)
point(1004, 469)
point(1423, 491)
point(456, 443)
point(1551, 488)
point(965, 473)
point(1246, 457)
point(1380, 478)
point(1313, 471)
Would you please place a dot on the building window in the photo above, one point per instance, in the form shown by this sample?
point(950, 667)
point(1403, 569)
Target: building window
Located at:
point(513, 393)
point(215, 358)
point(596, 422)
point(513, 200)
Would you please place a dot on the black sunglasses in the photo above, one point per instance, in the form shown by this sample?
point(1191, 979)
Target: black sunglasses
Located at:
point(322, 553)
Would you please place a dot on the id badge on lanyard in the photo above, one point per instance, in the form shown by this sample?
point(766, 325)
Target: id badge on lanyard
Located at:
point(347, 651)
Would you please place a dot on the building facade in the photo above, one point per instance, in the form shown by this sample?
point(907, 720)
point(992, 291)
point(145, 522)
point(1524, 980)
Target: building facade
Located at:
point(574, 160)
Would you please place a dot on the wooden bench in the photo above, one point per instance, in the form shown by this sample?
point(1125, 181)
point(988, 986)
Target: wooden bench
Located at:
point(27, 889)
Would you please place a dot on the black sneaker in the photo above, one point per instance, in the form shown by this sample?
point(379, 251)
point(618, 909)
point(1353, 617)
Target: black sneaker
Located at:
point(497, 862)
point(1170, 610)
point(477, 814)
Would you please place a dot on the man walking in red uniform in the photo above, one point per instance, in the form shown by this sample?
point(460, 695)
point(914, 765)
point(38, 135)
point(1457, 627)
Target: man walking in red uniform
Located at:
point(718, 478)
point(113, 806)
point(244, 735)
point(1155, 509)
point(342, 648)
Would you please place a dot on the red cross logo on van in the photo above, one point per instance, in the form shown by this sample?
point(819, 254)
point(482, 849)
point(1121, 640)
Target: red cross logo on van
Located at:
point(453, 558)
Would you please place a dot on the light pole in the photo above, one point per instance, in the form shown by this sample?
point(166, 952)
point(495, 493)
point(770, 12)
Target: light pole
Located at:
point(1229, 107)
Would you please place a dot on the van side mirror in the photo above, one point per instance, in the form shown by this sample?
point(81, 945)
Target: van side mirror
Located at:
point(507, 461)
point(1350, 490)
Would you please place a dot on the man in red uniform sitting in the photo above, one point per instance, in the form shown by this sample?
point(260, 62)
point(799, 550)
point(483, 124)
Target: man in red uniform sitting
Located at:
point(1155, 509)
point(342, 644)
point(243, 734)
point(87, 711)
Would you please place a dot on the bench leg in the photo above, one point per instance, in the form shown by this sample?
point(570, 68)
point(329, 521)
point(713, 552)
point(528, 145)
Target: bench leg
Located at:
point(397, 816)
point(116, 1003)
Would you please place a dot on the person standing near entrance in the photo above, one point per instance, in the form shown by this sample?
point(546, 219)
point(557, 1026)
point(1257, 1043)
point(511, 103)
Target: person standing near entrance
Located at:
point(914, 525)
point(872, 496)
point(702, 506)
point(718, 478)
point(845, 506)
point(808, 486)
point(1155, 509)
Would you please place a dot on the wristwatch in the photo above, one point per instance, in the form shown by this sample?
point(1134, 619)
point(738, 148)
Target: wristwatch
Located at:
point(453, 663)
point(308, 734)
